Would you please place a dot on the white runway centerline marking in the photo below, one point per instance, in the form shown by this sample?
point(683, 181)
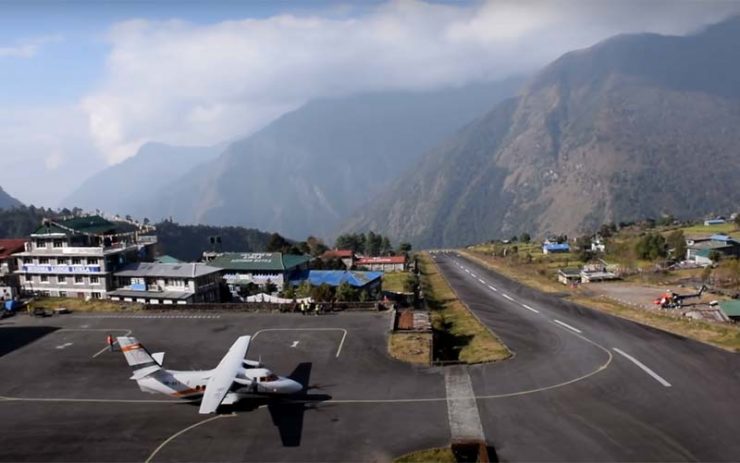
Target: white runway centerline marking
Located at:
point(647, 370)
point(64, 346)
point(473, 275)
point(295, 343)
point(492, 288)
point(481, 281)
point(507, 296)
point(567, 326)
point(530, 308)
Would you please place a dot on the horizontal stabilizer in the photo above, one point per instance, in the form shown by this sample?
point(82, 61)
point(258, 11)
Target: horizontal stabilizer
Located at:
point(159, 358)
point(144, 372)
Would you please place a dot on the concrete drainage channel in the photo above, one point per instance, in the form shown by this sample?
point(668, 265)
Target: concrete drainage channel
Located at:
point(466, 431)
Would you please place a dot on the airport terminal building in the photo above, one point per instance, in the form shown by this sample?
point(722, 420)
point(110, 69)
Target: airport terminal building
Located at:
point(77, 257)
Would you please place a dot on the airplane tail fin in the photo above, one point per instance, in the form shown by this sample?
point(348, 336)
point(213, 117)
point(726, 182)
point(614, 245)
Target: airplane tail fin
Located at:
point(138, 357)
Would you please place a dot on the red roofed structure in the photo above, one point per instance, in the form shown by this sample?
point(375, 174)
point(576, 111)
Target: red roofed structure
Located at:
point(9, 247)
point(347, 256)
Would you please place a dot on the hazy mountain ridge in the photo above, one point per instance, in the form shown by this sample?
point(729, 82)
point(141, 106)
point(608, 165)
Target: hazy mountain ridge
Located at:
point(309, 170)
point(7, 201)
point(635, 126)
point(127, 187)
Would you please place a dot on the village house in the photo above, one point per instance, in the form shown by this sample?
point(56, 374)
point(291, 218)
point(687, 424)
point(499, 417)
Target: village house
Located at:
point(383, 264)
point(347, 256)
point(258, 268)
point(699, 249)
point(157, 283)
point(549, 247)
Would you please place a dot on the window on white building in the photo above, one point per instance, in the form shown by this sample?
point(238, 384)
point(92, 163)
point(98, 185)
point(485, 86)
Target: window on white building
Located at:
point(61, 279)
point(43, 260)
point(94, 280)
point(44, 279)
point(79, 279)
point(76, 261)
point(58, 243)
point(27, 278)
point(40, 243)
point(27, 260)
point(92, 261)
point(95, 295)
point(62, 260)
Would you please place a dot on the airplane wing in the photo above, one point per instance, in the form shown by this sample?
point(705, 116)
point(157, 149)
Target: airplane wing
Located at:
point(223, 376)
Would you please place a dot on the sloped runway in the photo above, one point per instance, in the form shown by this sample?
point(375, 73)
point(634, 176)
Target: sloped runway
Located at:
point(586, 386)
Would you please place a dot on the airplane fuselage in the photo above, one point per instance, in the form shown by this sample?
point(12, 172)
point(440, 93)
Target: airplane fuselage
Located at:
point(192, 384)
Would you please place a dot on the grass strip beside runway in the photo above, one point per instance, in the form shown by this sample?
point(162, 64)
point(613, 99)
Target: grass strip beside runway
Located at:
point(458, 334)
point(441, 455)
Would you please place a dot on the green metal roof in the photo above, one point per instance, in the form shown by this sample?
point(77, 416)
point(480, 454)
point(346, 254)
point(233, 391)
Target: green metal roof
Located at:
point(94, 225)
point(730, 308)
point(259, 261)
point(167, 260)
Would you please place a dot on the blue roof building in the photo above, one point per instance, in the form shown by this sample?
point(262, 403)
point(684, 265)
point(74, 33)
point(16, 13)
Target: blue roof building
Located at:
point(551, 248)
point(337, 277)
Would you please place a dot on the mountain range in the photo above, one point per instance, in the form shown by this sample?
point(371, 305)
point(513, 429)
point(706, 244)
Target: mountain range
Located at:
point(7, 201)
point(303, 174)
point(127, 188)
point(635, 126)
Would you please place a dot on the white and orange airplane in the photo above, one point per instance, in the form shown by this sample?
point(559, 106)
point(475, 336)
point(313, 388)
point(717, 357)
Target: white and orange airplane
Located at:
point(235, 378)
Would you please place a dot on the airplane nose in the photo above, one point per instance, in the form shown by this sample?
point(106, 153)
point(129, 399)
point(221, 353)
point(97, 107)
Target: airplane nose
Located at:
point(293, 387)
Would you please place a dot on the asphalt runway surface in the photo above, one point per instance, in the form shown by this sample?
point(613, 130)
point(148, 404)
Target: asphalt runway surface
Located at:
point(587, 386)
point(64, 397)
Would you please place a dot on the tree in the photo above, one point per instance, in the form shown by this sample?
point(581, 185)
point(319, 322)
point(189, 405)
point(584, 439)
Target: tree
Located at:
point(304, 290)
point(677, 242)
point(666, 220)
point(607, 230)
point(277, 243)
point(409, 284)
point(651, 246)
point(322, 293)
point(316, 246)
point(346, 293)
point(583, 248)
point(373, 244)
point(404, 247)
point(289, 292)
point(525, 238)
point(715, 256)
point(385, 246)
point(269, 287)
point(737, 220)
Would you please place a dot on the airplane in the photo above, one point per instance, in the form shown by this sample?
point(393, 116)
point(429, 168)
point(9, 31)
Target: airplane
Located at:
point(235, 378)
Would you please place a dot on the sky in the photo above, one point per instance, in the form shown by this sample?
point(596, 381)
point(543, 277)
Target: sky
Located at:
point(83, 84)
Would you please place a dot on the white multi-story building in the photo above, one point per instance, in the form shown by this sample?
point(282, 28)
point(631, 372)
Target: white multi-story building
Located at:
point(77, 257)
point(179, 283)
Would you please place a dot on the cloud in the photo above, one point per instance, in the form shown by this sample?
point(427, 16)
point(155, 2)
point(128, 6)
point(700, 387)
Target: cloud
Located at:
point(181, 83)
point(46, 152)
point(27, 48)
